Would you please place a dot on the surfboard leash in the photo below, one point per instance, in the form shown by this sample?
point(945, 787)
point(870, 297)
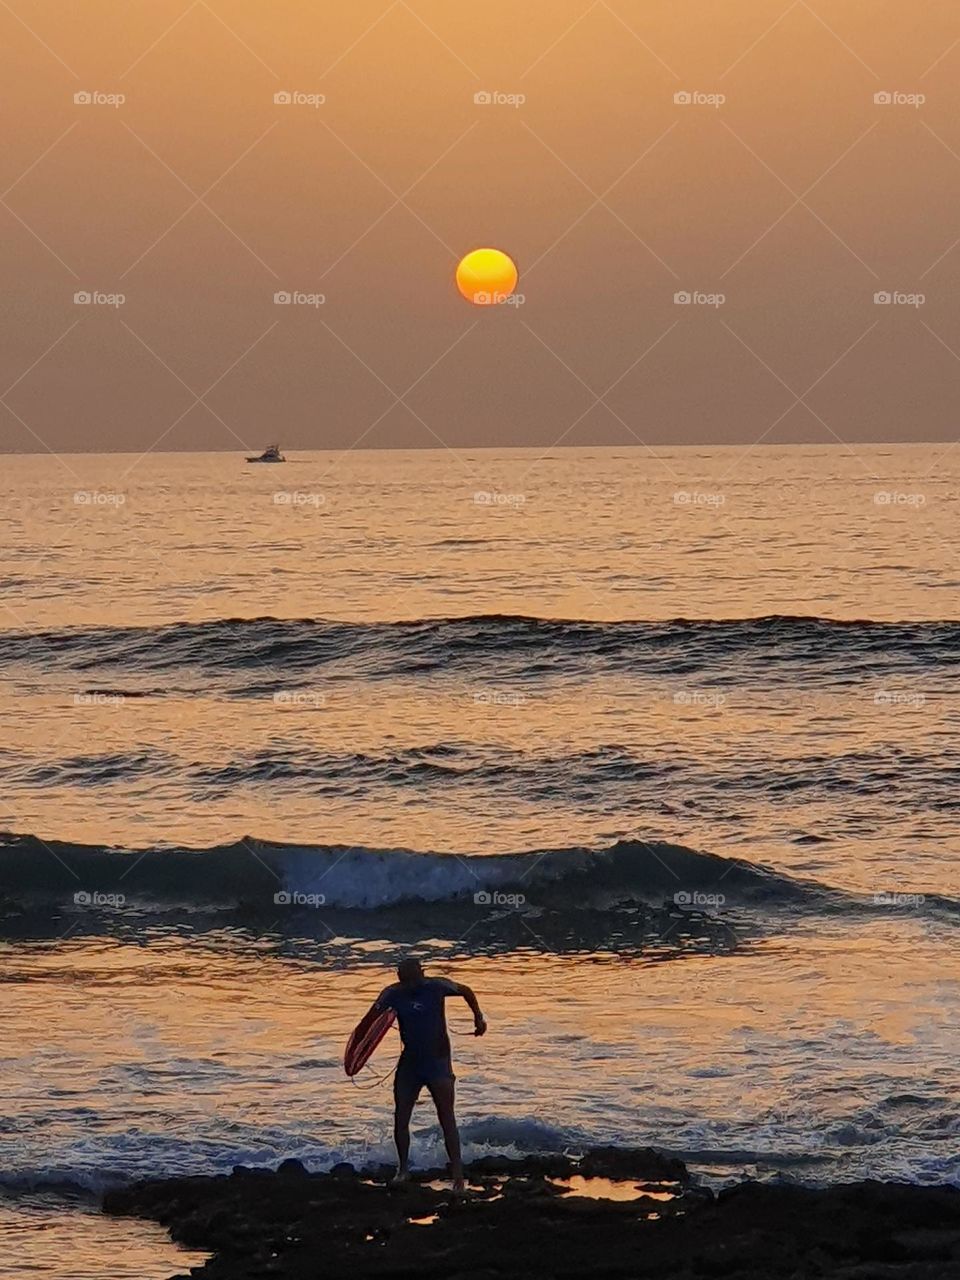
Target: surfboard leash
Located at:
point(374, 1083)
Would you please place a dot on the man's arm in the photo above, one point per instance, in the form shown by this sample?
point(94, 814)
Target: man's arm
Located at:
point(479, 1021)
point(382, 1002)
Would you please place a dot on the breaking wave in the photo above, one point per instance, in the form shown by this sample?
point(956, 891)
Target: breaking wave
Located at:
point(254, 873)
point(260, 876)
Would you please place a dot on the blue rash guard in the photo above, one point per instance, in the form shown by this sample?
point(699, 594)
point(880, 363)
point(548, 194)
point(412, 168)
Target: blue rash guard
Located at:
point(423, 1028)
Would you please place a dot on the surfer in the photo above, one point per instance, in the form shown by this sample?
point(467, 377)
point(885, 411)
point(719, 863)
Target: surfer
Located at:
point(418, 1002)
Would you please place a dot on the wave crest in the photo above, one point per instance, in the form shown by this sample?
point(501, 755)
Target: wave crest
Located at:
point(263, 875)
point(293, 647)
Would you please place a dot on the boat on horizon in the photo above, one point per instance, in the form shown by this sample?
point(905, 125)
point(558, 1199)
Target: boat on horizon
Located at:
point(270, 454)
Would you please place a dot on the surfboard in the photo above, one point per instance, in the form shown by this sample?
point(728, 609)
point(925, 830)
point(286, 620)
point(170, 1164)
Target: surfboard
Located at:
point(367, 1034)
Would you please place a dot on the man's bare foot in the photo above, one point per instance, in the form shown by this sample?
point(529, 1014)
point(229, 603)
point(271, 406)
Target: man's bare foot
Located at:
point(400, 1177)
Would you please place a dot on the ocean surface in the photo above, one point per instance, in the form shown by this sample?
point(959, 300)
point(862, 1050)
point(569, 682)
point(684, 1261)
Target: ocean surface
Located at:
point(656, 749)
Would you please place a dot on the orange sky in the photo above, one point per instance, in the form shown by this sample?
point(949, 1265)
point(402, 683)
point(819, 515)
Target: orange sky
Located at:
point(199, 197)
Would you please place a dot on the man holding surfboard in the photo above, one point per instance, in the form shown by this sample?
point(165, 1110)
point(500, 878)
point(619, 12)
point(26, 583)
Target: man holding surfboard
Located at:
point(417, 1003)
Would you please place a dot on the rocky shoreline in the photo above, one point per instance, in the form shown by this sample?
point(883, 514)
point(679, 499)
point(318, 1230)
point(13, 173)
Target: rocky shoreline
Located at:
point(614, 1213)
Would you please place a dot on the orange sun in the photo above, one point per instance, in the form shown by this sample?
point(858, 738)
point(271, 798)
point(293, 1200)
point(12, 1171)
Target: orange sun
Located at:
point(487, 276)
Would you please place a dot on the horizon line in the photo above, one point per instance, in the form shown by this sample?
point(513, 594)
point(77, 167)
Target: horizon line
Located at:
point(545, 451)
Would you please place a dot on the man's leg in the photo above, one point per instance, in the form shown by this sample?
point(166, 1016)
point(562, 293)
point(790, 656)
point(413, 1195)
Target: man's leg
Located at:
point(406, 1090)
point(443, 1093)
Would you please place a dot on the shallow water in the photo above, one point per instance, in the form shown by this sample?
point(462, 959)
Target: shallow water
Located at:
point(44, 1236)
point(817, 1052)
point(610, 1189)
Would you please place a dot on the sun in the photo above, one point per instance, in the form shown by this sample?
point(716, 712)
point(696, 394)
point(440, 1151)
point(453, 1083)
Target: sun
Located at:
point(487, 276)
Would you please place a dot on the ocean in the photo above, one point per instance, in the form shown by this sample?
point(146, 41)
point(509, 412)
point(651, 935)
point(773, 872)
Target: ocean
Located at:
point(656, 749)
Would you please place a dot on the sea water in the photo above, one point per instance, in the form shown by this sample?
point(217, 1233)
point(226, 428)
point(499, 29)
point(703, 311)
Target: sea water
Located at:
point(657, 750)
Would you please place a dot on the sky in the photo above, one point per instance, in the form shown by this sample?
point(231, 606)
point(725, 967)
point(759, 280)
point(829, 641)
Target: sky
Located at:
point(734, 222)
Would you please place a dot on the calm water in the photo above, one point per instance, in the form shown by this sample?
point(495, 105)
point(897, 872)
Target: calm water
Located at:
point(265, 728)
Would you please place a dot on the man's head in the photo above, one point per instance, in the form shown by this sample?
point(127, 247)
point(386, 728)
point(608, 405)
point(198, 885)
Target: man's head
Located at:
point(410, 972)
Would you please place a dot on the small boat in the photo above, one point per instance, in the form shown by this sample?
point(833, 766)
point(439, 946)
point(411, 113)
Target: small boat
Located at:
point(270, 454)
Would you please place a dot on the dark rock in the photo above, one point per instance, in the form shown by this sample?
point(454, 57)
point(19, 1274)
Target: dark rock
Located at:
point(924, 1242)
point(299, 1226)
point(644, 1164)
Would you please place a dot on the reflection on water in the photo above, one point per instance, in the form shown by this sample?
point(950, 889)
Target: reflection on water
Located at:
point(603, 533)
point(489, 1189)
point(612, 1188)
point(828, 1051)
point(820, 1042)
point(46, 1236)
point(831, 754)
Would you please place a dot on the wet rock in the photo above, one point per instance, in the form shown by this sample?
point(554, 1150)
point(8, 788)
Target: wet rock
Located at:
point(641, 1164)
point(296, 1225)
point(926, 1242)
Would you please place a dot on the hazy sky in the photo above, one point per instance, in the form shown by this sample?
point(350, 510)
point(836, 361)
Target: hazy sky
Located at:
point(198, 197)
